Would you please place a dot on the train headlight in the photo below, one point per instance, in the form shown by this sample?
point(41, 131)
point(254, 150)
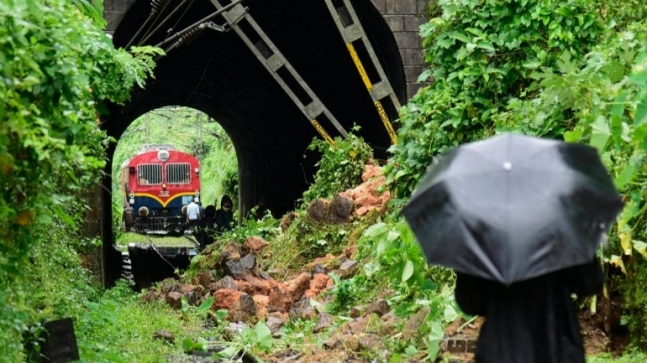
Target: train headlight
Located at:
point(132, 198)
point(197, 171)
point(163, 155)
point(164, 186)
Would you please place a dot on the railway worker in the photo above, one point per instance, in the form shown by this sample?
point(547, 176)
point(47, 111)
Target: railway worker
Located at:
point(225, 215)
point(193, 214)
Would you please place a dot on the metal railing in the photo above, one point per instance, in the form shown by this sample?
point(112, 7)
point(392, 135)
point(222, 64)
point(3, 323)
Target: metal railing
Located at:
point(161, 225)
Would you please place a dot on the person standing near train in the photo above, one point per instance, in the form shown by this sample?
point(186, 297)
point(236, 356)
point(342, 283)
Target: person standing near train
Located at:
point(225, 215)
point(193, 215)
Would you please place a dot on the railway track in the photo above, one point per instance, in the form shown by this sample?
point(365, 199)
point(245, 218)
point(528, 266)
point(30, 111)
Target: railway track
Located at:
point(145, 263)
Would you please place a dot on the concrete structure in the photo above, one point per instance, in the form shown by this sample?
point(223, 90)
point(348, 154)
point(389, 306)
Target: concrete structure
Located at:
point(402, 16)
point(216, 73)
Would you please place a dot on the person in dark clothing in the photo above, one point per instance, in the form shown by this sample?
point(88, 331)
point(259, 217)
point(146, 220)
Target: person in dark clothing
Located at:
point(225, 216)
point(533, 321)
point(207, 227)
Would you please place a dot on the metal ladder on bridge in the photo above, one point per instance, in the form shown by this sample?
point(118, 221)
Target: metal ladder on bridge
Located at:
point(353, 33)
point(278, 66)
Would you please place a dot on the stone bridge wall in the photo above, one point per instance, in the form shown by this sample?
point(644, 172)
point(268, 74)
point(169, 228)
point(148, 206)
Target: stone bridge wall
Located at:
point(403, 17)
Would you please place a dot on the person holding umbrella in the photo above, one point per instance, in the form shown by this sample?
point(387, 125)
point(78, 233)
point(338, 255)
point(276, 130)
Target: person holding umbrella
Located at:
point(530, 321)
point(520, 220)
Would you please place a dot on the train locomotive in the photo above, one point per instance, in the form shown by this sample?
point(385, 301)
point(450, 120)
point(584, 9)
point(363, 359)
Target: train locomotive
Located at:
point(156, 185)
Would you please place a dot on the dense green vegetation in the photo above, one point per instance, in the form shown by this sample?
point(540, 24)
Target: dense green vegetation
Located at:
point(58, 68)
point(573, 69)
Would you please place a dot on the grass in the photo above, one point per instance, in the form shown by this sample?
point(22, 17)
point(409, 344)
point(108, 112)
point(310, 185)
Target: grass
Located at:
point(627, 357)
point(160, 241)
point(120, 327)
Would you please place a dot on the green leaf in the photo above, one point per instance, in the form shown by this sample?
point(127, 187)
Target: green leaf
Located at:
point(206, 305)
point(531, 64)
point(640, 247)
point(228, 352)
point(641, 113)
point(375, 230)
point(263, 335)
point(460, 36)
point(450, 314)
point(640, 136)
point(407, 272)
point(573, 136)
point(625, 176)
point(410, 350)
point(614, 70)
point(486, 46)
point(434, 338)
point(600, 133)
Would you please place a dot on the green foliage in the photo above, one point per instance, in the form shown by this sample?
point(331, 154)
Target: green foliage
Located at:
point(630, 356)
point(397, 256)
point(229, 184)
point(110, 326)
point(396, 262)
point(599, 100)
point(51, 284)
point(542, 68)
point(202, 311)
point(619, 14)
point(573, 69)
point(316, 239)
point(340, 167)
point(345, 293)
point(102, 338)
point(635, 305)
point(57, 68)
point(481, 55)
point(250, 342)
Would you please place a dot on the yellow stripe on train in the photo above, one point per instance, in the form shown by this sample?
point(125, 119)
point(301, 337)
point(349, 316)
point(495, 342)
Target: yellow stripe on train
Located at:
point(157, 198)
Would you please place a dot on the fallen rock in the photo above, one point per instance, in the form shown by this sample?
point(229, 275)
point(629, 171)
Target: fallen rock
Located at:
point(165, 335)
point(255, 243)
point(174, 299)
point(324, 322)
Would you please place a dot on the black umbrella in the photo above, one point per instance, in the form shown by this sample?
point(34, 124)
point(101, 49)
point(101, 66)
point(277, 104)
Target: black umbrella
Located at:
point(513, 207)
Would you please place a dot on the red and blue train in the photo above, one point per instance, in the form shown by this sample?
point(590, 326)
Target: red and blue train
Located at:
point(156, 185)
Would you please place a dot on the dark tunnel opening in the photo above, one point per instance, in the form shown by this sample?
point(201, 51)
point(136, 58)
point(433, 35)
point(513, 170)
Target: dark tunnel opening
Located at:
point(217, 74)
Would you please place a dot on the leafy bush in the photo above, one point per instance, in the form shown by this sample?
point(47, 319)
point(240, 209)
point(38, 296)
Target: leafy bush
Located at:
point(549, 69)
point(600, 100)
point(340, 167)
point(57, 69)
point(481, 55)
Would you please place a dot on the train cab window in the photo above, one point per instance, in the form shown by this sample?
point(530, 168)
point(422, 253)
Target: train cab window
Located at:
point(178, 173)
point(149, 174)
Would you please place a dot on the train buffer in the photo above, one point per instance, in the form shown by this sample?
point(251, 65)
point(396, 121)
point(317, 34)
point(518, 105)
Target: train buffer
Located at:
point(239, 19)
point(360, 49)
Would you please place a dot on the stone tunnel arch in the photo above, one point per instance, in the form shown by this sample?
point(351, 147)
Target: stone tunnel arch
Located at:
point(218, 75)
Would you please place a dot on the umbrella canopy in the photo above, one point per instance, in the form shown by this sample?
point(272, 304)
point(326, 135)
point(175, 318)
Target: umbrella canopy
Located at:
point(513, 207)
